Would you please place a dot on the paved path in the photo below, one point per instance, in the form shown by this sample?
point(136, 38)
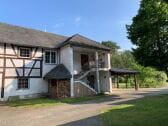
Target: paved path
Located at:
point(82, 114)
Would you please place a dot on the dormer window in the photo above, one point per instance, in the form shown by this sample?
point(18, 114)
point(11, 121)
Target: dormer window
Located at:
point(25, 52)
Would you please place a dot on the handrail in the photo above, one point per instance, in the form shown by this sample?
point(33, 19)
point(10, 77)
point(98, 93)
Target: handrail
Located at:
point(85, 74)
point(86, 85)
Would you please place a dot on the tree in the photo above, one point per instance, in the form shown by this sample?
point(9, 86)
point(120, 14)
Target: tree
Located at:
point(120, 59)
point(149, 32)
point(114, 47)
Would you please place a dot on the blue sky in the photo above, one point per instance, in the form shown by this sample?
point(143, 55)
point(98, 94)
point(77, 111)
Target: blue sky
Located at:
point(97, 19)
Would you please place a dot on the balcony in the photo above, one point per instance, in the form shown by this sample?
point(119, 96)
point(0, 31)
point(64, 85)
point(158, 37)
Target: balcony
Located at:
point(92, 64)
point(85, 59)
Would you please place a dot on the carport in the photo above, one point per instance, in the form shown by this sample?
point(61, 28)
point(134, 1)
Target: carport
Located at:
point(121, 72)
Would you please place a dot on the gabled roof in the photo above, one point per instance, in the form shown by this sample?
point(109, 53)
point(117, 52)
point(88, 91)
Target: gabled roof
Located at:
point(60, 72)
point(79, 40)
point(29, 37)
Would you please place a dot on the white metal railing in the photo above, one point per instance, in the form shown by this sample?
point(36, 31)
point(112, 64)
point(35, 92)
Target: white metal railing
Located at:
point(86, 73)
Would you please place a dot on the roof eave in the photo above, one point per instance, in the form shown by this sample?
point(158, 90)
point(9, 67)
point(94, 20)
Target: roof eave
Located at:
point(88, 46)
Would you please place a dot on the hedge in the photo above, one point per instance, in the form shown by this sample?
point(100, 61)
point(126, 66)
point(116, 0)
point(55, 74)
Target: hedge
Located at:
point(150, 77)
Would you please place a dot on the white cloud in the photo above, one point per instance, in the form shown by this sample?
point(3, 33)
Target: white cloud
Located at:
point(58, 25)
point(77, 21)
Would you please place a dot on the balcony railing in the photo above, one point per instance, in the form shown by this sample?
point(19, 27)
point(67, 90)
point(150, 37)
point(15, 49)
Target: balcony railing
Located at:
point(92, 64)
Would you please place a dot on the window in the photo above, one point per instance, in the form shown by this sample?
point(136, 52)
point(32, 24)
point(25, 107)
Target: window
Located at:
point(25, 52)
point(50, 57)
point(23, 83)
point(47, 57)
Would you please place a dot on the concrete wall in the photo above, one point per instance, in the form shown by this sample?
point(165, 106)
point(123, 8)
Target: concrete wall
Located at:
point(36, 86)
point(66, 54)
point(108, 61)
point(105, 84)
point(105, 57)
point(77, 62)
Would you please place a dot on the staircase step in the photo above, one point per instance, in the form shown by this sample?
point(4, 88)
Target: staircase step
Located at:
point(88, 86)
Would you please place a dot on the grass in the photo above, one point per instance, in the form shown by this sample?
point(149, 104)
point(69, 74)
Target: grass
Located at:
point(46, 102)
point(123, 85)
point(149, 111)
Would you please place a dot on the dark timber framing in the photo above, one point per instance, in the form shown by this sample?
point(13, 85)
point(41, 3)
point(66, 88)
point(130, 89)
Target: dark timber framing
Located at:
point(3, 75)
point(12, 57)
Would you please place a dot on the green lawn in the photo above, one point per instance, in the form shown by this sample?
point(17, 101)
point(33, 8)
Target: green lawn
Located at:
point(123, 85)
point(149, 111)
point(45, 102)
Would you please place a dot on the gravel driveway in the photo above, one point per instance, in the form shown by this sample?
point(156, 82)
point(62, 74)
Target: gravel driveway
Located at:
point(81, 114)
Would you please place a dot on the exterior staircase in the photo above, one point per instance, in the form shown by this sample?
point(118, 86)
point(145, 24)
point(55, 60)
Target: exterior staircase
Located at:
point(81, 79)
point(86, 85)
point(83, 89)
point(83, 74)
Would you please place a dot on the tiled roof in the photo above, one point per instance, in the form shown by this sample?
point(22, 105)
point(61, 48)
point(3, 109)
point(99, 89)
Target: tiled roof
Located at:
point(24, 36)
point(60, 72)
point(29, 37)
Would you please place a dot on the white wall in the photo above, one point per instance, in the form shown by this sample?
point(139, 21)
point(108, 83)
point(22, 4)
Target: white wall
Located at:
point(105, 56)
point(77, 62)
point(105, 82)
point(0, 82)
point(48, 67)
point(108, 62)
point(35, 86)
point(66, 54)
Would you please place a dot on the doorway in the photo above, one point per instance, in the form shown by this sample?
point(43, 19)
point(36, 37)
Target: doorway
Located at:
point(59, 88)
point(84, 62)
point(91, 80)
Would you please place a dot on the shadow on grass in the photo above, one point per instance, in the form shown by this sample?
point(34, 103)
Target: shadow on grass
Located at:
point(149, 111)
point(90, 121)
point(45, 102)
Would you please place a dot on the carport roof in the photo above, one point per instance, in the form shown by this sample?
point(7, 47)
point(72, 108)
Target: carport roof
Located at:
point(122, 71)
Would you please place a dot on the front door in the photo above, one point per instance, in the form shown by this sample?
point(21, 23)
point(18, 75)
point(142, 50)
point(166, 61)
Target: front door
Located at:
point(84, 62)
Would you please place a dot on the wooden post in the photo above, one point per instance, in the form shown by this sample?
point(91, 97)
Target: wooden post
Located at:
point(136, 84)
point(117, 81)
point(126, 81)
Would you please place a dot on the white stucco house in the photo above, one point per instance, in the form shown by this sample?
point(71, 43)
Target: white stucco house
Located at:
point(34, 62)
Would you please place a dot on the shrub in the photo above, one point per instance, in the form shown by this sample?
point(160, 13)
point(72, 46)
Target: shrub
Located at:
point(150, 77)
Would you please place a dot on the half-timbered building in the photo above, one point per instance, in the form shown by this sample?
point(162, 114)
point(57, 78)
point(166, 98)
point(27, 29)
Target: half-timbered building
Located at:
point(35, 63)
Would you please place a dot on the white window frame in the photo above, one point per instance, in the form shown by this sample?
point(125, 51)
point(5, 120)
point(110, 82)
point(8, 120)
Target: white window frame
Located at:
point(27, 49)
point(50, 57)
